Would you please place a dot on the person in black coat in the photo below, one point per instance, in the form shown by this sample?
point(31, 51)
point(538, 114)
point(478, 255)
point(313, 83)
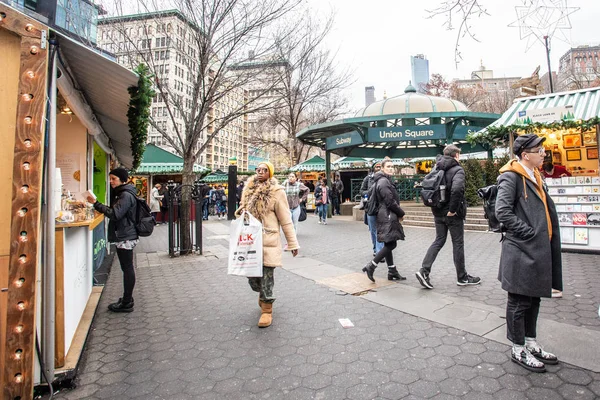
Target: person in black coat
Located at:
point(450, 216)
point(530, 262)
point(389, 216)
point(371, 220)
point(121, 231)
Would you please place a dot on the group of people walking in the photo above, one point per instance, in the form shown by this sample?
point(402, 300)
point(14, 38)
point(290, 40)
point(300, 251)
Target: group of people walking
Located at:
point(530, 265)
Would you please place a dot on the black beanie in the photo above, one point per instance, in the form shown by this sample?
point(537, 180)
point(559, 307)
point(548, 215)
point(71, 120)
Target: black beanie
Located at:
point(120, 173)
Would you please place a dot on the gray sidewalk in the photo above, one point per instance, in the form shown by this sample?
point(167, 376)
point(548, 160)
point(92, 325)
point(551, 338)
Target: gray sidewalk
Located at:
point(193, 334)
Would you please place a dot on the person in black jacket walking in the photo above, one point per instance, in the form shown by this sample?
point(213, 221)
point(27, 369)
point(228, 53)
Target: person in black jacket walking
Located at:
point(389, 216)
point(371, 220)
point(121, 231)
point(450, 216)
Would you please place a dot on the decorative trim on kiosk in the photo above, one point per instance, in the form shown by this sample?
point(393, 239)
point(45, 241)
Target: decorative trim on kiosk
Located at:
point(26, 204)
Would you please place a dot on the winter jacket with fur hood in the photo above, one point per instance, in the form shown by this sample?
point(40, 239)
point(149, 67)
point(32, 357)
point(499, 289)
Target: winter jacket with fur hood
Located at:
point(530, 262)
point(267, 202)
point(389, 228)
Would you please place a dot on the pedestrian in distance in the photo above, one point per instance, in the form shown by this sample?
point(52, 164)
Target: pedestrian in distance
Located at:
point(121, 231)
point(371, 220)
point(296, 193)
point(337, 190)
point(155, 199)
point(322, 200)
point(265, 199)
point(388, 220)
point(204, 194)
point(449, 216)
point(530, 261)
point(164, 204)
point(221, 202)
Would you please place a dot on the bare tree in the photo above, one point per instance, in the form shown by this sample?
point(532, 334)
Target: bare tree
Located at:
point(459, 12)
point(572, 79)
point(437, 86)
point(309, 89)
point(206, 97)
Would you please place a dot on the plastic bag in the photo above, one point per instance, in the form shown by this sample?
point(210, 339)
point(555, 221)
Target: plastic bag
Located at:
point(245, 246)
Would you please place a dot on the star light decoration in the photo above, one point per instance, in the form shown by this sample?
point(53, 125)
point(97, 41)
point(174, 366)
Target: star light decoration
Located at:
point(543, 18)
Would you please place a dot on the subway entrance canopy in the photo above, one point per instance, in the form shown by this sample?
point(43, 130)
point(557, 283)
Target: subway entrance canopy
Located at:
point(405, 126)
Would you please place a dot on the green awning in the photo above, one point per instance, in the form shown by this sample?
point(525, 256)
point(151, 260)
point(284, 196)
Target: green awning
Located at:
point(157, 161)
point(351, 163)
point(216, 177)
point(314, 164)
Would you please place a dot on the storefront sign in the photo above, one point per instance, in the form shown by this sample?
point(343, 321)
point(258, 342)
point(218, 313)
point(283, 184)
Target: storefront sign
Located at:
point(345, 140)
point(461, 131)
point(545, 115)
point(70, 171)
point(407, 133)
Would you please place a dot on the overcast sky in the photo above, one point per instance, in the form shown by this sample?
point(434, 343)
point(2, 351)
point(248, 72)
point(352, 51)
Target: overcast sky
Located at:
point(377, 38)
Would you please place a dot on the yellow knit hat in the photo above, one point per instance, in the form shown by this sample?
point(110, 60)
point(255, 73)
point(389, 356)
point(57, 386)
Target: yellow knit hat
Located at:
point(269, 166)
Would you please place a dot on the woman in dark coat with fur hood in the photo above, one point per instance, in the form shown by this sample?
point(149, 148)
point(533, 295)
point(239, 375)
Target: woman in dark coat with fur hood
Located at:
point(389, 216)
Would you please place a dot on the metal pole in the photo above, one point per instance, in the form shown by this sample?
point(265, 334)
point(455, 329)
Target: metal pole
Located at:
point(329, 181)
point(49, 274)
point(548, 58)
point(171, 191)
point(231, 190)
point(198, 200)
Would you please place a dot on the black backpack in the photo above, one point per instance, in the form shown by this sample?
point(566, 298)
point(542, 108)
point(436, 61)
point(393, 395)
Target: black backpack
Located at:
point(144, 221)
point(433, 188)
point(372, 206)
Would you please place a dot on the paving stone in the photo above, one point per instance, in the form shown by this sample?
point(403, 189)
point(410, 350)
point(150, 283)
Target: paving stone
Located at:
point(187, 342)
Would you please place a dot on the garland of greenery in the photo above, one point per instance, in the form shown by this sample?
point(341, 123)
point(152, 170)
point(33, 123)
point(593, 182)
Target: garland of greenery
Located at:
point(495, 136)
point(139, 113)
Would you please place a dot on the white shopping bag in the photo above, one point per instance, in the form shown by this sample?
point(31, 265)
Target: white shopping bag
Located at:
point(245, 246)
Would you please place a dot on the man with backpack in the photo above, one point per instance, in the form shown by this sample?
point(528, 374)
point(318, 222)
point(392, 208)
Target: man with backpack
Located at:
point(449, 209)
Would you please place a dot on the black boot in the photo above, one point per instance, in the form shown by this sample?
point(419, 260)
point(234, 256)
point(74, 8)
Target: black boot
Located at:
point(121, 306)
point(369, 269)
point(393, 275)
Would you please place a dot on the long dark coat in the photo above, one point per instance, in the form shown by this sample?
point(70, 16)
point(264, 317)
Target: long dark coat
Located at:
point(389, 228)
point(530, 263)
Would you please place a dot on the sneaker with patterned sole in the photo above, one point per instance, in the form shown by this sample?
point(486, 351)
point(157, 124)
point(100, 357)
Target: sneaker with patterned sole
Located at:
point(469, 280)
point(423, 279)
point(526, 360)
point(538, 352)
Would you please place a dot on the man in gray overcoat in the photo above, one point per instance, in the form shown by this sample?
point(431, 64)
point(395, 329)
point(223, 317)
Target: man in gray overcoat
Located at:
point(530, 263)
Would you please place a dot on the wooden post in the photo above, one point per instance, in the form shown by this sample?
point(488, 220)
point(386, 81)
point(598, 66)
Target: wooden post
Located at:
point(26, 204)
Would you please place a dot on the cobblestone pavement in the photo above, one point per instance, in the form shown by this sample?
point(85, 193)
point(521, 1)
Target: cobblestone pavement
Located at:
point(193, 335)
point(581, 272)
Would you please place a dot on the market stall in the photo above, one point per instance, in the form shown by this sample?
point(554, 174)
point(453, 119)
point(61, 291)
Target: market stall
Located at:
point(569, 122)
point(60, 123)
point(310, 172)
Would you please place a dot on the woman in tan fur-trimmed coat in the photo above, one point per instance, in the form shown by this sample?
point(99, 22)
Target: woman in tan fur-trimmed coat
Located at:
point(265, 199)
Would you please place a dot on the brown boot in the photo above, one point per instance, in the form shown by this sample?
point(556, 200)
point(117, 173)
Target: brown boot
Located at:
point(267, 315)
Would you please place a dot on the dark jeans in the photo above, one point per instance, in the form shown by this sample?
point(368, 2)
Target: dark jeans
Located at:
point(336, 205)
point(456, 226)
point(386, 252)
point(205, 208)
point(521, 317)
point(126, 261)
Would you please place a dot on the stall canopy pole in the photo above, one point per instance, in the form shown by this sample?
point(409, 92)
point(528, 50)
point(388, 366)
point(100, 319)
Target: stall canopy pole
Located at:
point(49, 277)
